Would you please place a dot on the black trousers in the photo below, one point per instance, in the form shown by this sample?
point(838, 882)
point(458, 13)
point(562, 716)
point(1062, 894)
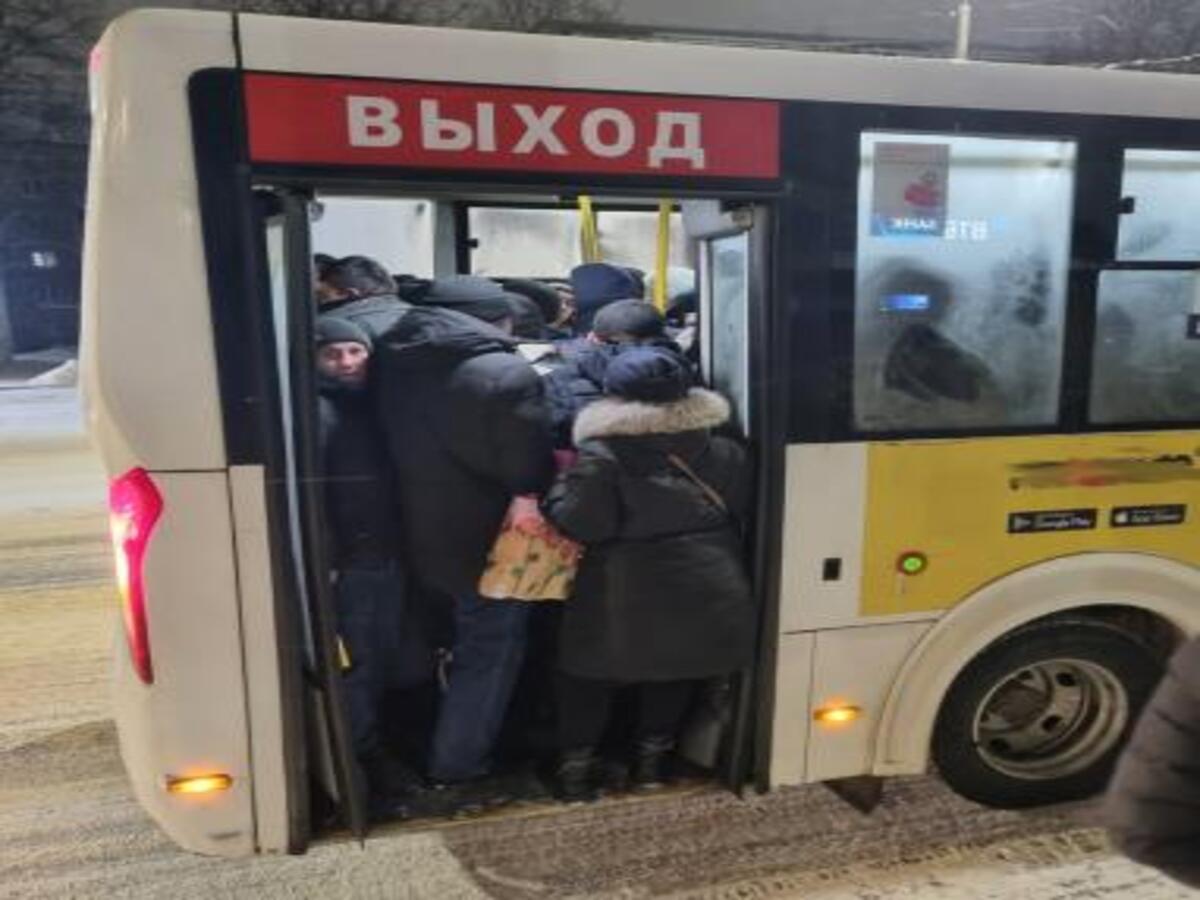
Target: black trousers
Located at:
point(385, 641)
point(584, 707)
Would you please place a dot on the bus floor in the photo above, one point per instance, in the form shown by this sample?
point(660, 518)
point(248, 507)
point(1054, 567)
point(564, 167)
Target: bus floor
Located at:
point(535, 807)
point(525, 756)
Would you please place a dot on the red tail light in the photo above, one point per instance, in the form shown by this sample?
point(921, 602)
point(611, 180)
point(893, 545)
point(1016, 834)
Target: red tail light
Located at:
point(134, 505)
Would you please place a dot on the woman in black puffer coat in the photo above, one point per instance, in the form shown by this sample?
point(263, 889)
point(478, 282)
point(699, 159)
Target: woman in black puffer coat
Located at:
point(662, 598)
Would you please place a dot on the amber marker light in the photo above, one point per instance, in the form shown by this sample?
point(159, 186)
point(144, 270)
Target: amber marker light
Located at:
point(912, 563)
point(840, 714)
point(198, 784)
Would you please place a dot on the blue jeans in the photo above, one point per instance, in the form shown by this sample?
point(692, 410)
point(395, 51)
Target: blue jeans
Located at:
point(489, 646)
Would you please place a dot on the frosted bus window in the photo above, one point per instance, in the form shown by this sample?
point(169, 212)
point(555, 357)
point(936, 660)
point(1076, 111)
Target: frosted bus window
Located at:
point(729, 274)
point(630, 238)
point(1144, 368)
point(545, 242)
point(1165, 188)
point(962, 264)
point(524, 242)
point(397, 233)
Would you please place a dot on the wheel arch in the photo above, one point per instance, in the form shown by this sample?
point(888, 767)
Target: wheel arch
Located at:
point(1155, 597)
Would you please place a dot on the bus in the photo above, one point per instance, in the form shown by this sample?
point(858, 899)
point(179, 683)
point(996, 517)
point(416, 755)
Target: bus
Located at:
point(955, 306)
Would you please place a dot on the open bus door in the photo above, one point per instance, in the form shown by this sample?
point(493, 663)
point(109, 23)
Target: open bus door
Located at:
point(732, 244)
point(285, 217)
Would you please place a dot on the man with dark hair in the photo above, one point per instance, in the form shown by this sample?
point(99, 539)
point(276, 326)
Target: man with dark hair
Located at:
point(383, 642)
point(360, 290)
point(467, 430)
point(321, 264)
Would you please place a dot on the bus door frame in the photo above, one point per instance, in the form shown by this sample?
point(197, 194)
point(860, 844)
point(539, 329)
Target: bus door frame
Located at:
point(329, 729)
point(706, 221)
point(746, 747)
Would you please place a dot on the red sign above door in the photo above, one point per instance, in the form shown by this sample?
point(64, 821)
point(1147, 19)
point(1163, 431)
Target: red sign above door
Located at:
point(343, 121)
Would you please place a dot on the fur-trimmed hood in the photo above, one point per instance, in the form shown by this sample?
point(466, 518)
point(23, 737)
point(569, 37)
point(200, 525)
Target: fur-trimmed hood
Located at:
point(612, 417)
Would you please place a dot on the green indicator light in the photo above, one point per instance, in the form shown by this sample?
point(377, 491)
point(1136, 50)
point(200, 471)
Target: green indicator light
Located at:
point(913, 563)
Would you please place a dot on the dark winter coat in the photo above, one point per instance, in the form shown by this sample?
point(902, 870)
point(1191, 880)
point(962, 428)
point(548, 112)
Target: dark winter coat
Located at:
point(467, 429)
point(359, 497)
point(662, 592)
point(577, 379)
point(1153, 806)
point(573, 384)
point(374, 315)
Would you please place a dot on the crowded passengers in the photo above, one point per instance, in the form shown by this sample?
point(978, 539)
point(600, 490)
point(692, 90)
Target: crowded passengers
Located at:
point(462, 417)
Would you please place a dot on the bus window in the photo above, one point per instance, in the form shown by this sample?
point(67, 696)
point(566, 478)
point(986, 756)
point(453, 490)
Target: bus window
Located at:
point(510, 242)
point(628, 237)
point(962, 263)
point(1144, 366)
point(399, 233)
point(1164, 188)
point(728, 262)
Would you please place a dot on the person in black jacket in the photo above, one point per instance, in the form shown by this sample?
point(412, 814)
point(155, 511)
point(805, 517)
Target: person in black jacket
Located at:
point(573, 383)
point(360, 290)
point(384, 643)
point(662, 598)
point(467, 430)
point(1153, 804)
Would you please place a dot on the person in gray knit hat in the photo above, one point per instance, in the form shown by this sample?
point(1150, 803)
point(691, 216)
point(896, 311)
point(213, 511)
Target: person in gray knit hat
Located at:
point(384, 638)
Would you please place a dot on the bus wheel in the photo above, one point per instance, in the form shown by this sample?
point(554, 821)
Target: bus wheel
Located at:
point(1041, 715)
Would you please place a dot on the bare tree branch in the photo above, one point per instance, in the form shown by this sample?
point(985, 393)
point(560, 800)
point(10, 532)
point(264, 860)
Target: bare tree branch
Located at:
point(1142, 34)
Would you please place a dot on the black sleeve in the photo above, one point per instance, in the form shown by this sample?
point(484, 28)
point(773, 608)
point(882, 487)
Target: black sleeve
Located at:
point(1153, 806)
point(559, 402)
point(584, 503)
point(518, 425)
point(491, 417)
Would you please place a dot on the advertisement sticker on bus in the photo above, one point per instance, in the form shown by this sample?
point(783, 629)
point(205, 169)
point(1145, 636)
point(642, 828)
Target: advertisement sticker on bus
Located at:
point(910, 191)
point(340, 121)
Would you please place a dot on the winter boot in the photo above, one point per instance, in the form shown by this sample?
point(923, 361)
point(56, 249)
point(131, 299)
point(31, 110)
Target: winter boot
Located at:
point(576, 776)
point(650, 758)
point(388, 784)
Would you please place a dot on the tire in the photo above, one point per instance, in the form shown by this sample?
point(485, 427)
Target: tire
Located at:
point(1041, 715)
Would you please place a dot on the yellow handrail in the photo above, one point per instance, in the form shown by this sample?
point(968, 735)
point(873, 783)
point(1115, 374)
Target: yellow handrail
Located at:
point(589, 235)
point(662, 254)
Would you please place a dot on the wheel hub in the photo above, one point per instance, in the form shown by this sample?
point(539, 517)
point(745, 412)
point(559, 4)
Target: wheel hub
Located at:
point(1050, 719)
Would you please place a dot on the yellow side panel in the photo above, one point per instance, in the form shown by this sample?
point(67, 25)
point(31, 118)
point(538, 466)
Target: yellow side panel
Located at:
point(962, 503)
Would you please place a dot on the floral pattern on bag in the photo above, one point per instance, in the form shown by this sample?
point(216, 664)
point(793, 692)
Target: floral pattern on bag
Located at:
point(530, 559)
